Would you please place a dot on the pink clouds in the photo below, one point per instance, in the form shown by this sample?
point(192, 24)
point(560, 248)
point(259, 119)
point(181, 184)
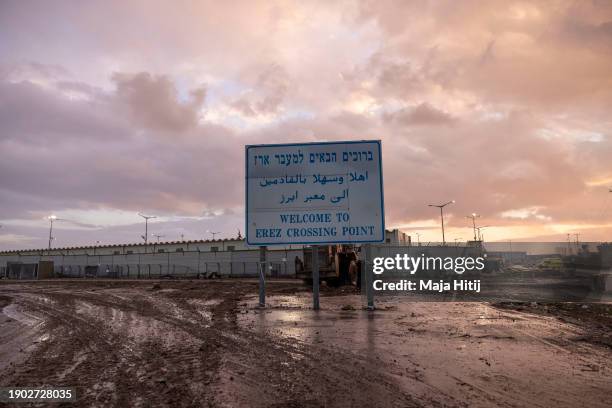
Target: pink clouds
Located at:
point(422, 114)
point(502, 106)
point(153, 102)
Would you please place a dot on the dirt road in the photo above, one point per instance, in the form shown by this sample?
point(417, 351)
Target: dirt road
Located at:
point(205, 343)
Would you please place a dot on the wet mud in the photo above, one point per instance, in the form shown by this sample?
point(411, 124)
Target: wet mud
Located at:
point(207, 343)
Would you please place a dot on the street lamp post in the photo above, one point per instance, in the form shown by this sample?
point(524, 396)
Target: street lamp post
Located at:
point(51, 219)
point(473, 217)
point(146, 234)
point(441, 207)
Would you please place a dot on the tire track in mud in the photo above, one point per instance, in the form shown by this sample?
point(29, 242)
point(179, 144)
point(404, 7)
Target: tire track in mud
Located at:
point(204, 363)
point(112, 369)
point(71, 356)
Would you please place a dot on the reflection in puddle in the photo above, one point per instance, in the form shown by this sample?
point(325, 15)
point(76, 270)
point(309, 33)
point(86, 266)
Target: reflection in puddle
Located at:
point(292, 318)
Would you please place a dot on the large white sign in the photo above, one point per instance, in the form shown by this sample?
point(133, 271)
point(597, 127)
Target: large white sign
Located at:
point(314, 193)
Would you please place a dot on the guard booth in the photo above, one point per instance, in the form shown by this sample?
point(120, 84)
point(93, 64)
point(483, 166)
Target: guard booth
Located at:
point(46, 270)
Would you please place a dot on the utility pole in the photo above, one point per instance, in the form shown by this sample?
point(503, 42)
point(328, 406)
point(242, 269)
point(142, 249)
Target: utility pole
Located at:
point(146, 234)
point(473, 217)
point(441, 207)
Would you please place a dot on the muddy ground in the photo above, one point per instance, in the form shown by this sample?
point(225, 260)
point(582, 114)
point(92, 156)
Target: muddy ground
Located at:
point(206, 343)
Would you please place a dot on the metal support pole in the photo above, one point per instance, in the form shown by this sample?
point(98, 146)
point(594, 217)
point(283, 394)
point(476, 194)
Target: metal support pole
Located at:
point(262, 276)
point(368, 276)
point(442, 218)
point(315, 277)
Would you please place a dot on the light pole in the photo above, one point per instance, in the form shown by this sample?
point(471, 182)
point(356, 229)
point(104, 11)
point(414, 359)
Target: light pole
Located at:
point(51, 218)
point(146, 234)
point(158, 236)
point(441, 207)
point(473, 217)
point(213, 233)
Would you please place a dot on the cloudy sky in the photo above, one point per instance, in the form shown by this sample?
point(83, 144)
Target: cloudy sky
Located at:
point(108, 109)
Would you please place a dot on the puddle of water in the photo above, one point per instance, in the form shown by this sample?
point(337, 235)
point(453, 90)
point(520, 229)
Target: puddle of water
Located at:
point(291, 317)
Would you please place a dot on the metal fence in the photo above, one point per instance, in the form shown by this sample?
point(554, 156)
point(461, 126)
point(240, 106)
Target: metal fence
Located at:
point(242, 263)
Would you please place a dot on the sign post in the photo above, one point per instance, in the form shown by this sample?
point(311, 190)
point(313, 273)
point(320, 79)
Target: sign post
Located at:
point(314, 194)
point(315, 277)
point(262, 276)
point(367, 265)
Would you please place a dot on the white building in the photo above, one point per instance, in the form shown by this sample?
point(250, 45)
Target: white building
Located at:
point(228, 257)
